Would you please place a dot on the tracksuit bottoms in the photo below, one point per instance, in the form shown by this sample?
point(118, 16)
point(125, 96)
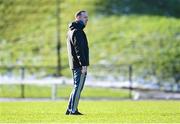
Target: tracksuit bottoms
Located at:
point(78, 80)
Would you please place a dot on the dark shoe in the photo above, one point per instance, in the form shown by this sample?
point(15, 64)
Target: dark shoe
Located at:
point(67, 112)
point(76, 113)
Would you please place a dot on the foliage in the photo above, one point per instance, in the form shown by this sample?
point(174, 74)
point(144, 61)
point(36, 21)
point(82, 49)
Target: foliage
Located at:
point(141, 7)
point(143, 33)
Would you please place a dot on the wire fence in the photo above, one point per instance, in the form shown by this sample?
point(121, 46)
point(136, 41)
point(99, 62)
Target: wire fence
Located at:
point(43, 80)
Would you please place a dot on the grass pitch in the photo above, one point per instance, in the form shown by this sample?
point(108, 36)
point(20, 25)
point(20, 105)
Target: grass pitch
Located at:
point(95, 112)
point(63, 91)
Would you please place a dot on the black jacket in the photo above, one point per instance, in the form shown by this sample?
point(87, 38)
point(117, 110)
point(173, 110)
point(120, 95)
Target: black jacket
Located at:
point(77, 45)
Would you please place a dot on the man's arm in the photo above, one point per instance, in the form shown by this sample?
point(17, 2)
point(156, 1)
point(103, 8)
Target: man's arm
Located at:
point(79, 47)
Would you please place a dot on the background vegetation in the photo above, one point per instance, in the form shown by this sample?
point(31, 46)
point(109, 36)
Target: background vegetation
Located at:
point(145, 33)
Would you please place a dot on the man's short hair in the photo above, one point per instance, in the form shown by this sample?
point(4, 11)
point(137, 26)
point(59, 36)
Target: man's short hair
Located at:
point(78, 13)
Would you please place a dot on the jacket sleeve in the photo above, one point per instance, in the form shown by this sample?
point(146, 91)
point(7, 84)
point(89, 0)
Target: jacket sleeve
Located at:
point(79, 47)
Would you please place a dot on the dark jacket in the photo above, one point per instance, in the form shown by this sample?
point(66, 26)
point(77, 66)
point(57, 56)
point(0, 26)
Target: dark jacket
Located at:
point(77, 45)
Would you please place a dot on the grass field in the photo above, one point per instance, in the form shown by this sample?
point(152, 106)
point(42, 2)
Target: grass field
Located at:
point(95, 112)
point(63, 91)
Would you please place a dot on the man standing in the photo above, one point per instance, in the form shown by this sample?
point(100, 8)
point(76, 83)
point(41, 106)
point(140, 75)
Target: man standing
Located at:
point(78, 54)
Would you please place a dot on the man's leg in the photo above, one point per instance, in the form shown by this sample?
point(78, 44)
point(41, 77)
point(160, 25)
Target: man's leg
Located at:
point(79, 80)
point(81, 85)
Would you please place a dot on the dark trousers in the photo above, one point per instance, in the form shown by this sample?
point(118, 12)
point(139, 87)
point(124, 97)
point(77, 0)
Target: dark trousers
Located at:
point(78, 79)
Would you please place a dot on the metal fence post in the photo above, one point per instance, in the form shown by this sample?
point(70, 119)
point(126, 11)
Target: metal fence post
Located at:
point(130, 81)
point(22, 78)
point(54, 91)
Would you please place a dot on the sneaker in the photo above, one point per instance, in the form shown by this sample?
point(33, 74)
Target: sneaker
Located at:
point(67, 112)
point(76, 113)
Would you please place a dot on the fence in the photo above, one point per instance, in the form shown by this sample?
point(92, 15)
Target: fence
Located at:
point(117, 76)
point(23, 75)
point(18, 74)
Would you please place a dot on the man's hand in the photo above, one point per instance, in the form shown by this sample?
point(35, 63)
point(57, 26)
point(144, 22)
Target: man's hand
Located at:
point(84, 69)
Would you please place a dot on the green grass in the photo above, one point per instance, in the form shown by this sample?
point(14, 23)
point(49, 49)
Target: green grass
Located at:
point(95, 112)
point(63, 91)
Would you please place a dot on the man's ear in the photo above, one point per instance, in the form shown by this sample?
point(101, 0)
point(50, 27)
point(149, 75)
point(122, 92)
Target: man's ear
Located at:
point(78, 17)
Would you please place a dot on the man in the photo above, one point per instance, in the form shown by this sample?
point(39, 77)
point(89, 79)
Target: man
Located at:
point(78, 54)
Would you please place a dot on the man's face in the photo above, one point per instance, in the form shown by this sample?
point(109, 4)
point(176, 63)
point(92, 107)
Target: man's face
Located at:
point(83, 17)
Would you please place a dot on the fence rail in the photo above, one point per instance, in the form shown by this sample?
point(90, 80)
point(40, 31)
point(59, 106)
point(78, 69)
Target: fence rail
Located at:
point(125, 74)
